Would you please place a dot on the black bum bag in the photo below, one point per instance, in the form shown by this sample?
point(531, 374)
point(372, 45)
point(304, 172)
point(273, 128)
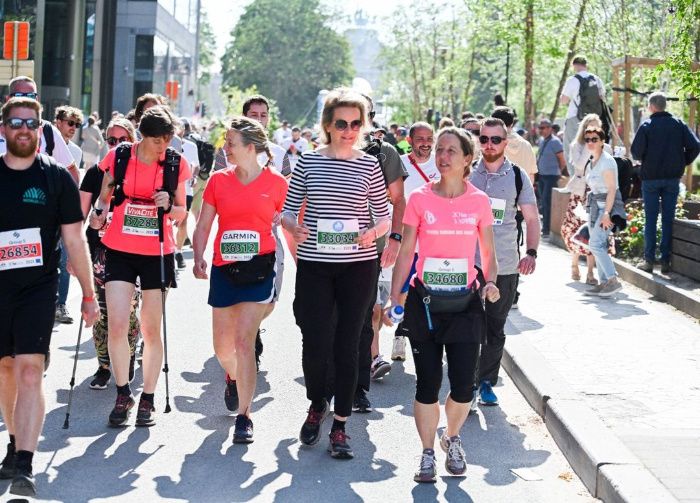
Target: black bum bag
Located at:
point(250, 272)
point(445, 302)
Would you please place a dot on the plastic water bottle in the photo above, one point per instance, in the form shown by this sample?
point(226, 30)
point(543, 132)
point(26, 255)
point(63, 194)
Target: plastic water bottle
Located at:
point(396, 314)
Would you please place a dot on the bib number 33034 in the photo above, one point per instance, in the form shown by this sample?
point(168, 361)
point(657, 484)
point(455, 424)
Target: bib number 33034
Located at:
point(445, 274)
point(337, 236)
point(20, 248)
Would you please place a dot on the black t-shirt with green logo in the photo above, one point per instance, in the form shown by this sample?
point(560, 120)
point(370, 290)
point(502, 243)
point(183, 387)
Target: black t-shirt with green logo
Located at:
point(26, 203)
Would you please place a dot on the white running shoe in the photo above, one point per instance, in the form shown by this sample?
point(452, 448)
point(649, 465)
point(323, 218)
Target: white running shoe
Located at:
point(398, 349)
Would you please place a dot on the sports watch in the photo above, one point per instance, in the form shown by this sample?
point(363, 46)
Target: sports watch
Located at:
point(395, 236)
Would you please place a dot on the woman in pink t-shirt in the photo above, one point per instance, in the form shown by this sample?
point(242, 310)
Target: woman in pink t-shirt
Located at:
point(445, 220)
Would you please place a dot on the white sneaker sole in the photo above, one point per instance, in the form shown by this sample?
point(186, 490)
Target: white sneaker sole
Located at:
point(381, 372)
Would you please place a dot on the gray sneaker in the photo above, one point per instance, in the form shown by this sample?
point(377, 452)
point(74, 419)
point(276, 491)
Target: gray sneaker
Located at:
point(646, 266)
point(610, 287)
point(62, 315)
point(456, 460)
point(427, 471)
point(594, 291)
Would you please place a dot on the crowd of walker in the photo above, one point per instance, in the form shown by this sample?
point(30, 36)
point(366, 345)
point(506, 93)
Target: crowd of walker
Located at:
point(431, 234)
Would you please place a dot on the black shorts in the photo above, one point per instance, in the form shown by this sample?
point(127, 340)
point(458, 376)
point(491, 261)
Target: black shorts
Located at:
point(123, 266)
point(27, 319)
point(188, 202)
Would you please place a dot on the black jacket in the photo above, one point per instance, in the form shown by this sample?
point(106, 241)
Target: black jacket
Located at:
point(665, 145)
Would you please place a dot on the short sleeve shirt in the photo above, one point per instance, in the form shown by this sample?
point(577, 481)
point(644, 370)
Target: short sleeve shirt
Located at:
point(547, 160)
point(245, 210)
point(571, 91)
point(447, 228)
point(594, 178)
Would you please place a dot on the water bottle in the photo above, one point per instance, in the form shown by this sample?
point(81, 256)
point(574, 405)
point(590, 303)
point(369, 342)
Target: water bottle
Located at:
point(396, 314)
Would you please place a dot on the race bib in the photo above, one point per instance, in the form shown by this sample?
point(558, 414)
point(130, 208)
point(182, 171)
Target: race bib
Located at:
point(101, 233)
point(445, 273)
point(337, 236)
point(239, 245)
point(140, 220)
point(498, 208)
point(20, 248)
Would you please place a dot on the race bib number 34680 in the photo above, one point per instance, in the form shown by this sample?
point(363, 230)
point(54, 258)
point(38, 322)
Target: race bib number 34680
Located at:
point(20, 248)
point(445, 273)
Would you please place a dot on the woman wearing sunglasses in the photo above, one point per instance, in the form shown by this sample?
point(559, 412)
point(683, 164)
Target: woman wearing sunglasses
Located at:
point(119, 130)
point(443, 222)
point(604, 201)
point(337, 258)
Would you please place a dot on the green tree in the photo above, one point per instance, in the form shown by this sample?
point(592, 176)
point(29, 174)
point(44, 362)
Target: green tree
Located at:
point(206, 49)
point(685, 50)
point(287, 49)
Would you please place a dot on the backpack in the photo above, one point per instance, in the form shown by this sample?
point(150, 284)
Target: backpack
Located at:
point(47, 129)
point(52, 172)
point(625, 176)
point(171, 171)
point(205, 155)
point(518, 214)
point(589, 97)
point(374, 148)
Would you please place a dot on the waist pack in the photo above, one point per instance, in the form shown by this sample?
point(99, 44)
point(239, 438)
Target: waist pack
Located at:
point(253, 271)
point(437, 302)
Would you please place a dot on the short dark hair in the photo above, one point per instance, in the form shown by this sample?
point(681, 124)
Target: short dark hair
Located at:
point(144, 100)
point(296, 129)
point(256, 98)
point(419, 125)
point(580, 60)
point(65, 112)
point(494, 122)
point(467, 115)
point(504, 113)
point(13, 103)
point(597, 131)
point(157, 121)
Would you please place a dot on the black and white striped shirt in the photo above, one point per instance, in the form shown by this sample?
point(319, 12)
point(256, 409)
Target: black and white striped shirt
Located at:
point(337, 189)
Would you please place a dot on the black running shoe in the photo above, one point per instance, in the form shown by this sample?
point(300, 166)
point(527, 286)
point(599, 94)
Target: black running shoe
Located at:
point(338, 446)
point(101, 379)
point(23, 483)
point(146, 415)
point(8, 467)
point(180, 260)
point(361, 403)
point(243, 433)
point(311, 428)
point(258, 350)
point(231, 394)
point(120, 412)
point(132, 364)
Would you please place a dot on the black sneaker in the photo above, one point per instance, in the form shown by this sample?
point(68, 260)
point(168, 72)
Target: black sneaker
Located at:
point(101, 379)
point(231, 394)
point(146, 415)
point(258, 350)
point(120, 412)
point(7, 469)
point(243, 433)
point(23, 483)
point(361, 403)
point(309, 434)
point(338, 446)
point(180, 260)
point(665, 267)
point(132, 364)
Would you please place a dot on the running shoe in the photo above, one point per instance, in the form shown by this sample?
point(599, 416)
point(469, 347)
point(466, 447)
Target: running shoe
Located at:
point(665, 267)
point(486, 394)
point(595, 290)
point(456, 460)
point(231, 394)
point(338, 445)
point(23, 483)
point(102, 377)
point(610, 288)
point(646, 266)
point(243, 433)
point(180, 260)
point(427, 471)
point(398, 349)
point(132, 364)
point(120, 412)
point(361, 403)
point(7, 468)
point(309, 434)
point(379, 368)
point(62, 315)
point(146, 415)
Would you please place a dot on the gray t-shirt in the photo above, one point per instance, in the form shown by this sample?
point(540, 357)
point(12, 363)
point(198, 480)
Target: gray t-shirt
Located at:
point(547, 162)
point(594, 178)
point(393, 169)
point(500, 187)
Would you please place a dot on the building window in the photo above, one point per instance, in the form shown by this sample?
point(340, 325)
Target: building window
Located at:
point(143, 65)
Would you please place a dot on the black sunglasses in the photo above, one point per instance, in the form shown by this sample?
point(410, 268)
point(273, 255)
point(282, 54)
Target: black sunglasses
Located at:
point(593, 139)
point(71, 123)
point(16, 123)
point(342, 125)
point(496, 140)
point(25, 95)
point(113, 141)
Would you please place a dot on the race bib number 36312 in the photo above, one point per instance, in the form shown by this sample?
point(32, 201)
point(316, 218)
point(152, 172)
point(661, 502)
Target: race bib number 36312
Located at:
point(337, 236)
point(239, 245)
point(140, 220)
point(20, 248)
point(445, 273)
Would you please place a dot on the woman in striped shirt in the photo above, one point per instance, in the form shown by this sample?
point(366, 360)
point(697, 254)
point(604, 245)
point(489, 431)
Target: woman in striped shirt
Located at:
point(337, 258)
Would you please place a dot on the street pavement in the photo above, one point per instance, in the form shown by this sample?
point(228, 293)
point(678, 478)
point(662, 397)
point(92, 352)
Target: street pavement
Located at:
point(188, 455)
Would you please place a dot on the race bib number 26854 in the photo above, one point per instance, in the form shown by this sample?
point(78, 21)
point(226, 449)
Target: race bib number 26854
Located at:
point(20, 248)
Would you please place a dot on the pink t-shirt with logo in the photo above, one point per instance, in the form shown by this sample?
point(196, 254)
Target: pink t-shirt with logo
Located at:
point(447, 228)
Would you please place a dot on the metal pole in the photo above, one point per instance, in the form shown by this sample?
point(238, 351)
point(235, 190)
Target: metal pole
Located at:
point(15, 36)
point(507, 68)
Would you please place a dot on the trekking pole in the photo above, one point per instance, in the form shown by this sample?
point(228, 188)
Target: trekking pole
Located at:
point(161, 217)
point(72, 378)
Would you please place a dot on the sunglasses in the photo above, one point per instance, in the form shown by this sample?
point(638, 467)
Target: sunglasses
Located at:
point(17, 123)
point(113, 141)
point(474, 132)
point(496, 140)
point(25, 95)
point(593, 139)
point(342, 125)
point(71, 123)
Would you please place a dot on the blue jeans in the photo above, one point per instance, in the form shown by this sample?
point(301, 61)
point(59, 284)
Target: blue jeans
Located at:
point(598, 244)
point(63, 276)
point(667, 191)
point(545, 184)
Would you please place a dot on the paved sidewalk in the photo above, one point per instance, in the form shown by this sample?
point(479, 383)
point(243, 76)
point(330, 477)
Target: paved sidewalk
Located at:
point(634, 361)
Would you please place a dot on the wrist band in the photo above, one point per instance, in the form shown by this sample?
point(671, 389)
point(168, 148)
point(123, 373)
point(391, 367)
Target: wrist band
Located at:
point(88, 299)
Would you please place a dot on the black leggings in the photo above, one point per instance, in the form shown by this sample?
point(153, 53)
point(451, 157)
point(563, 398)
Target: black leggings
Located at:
point(461, 364)
point(322, 287)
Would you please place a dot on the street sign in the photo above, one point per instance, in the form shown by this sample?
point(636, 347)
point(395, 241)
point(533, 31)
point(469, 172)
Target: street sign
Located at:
point(172, 87)
point(16, 40)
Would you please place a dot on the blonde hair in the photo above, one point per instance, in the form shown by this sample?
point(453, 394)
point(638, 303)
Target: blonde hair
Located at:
point(588, 121)
point(342, 97)
point(125, 124)
point(252, 133)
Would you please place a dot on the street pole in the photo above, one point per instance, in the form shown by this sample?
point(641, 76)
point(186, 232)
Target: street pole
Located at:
point(15, 49)
point(507, 68)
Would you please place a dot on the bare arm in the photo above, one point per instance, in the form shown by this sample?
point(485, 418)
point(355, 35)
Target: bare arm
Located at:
point(398, 201)
point(403, 263)
point(562, 161)
point(200, 238)
point(532, 221)
point(611, 186)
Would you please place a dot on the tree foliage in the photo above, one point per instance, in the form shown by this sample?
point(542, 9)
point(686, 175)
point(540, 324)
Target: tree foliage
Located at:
point(288, 51)
point(207, 47)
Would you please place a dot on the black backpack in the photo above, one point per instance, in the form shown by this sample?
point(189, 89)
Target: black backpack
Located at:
point(589, 97)
point(518, 214)
point(171, 172)
point(205, 155)
point(52, 172)
point(47, 129)
point(625, 176)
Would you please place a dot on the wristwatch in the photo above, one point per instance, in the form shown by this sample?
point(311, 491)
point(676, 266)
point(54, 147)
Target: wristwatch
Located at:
point(532, 252)
point(395, 236)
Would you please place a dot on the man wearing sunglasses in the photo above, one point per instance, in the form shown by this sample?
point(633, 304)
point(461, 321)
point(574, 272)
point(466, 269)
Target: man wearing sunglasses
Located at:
point(550, 164)
point(39, 203)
